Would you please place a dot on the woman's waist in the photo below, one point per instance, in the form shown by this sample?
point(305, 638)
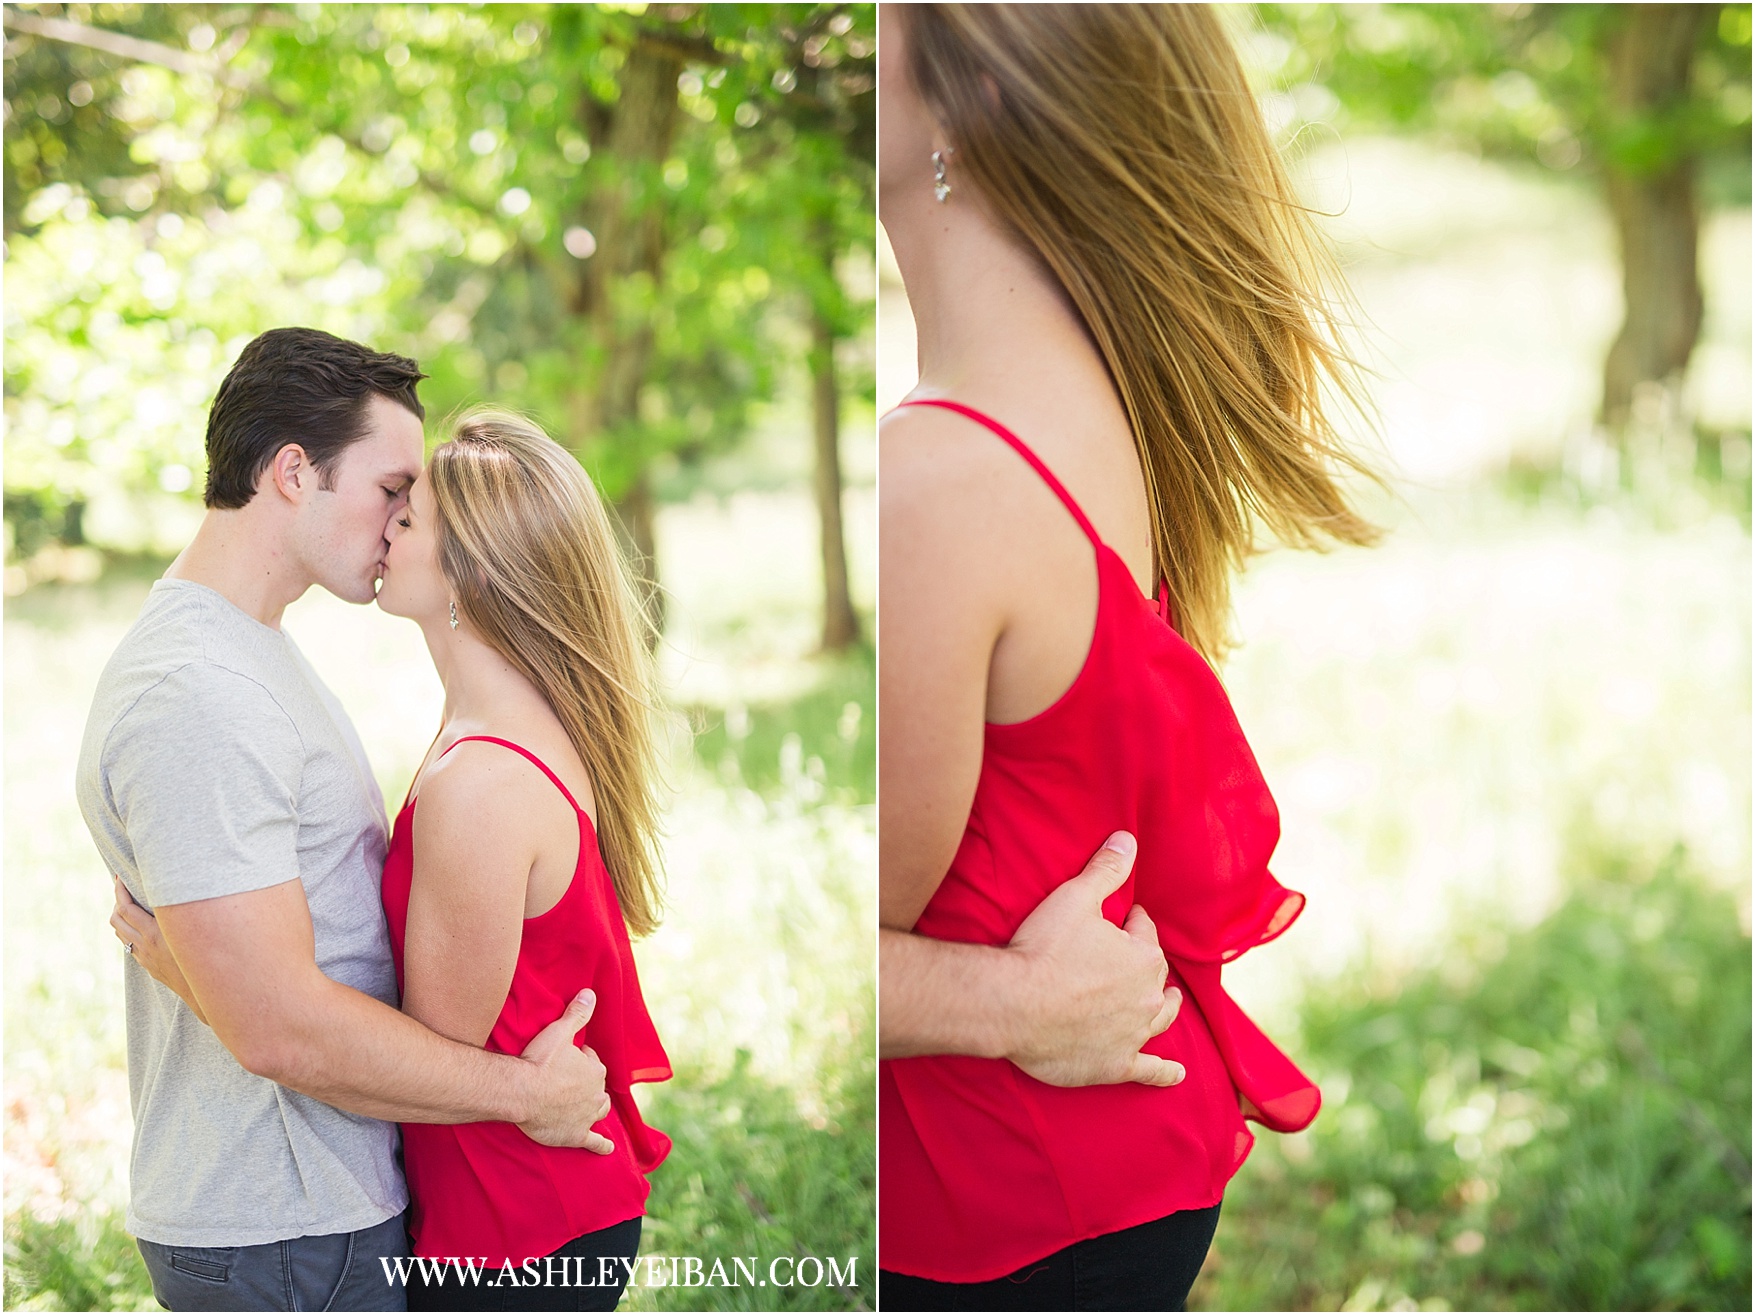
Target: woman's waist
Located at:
point(499, 1153)
point(941, 1092)
point(486, 1190)
point(546, 978)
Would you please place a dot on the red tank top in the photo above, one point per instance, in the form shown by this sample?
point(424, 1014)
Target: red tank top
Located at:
point(984, 1169)
point(486, 1189)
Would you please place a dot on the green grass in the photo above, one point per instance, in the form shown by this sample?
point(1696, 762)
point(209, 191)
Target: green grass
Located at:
point(1675, 479)
point(828, 734)
point(754, 1175)
point(84, 1264)
point(1552, 1119)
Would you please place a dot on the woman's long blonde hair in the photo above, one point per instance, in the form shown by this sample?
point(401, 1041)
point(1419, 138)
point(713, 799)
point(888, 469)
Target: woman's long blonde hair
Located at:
point(525, 543)
point(1121, 144)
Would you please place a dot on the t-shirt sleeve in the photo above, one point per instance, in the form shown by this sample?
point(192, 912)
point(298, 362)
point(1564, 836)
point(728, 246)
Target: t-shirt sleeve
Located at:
point(204, 773)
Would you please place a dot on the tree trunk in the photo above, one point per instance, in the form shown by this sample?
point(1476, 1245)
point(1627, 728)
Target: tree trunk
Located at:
point(639, 519)
point(840, 625)
point(628, 223)
point(1656, 215)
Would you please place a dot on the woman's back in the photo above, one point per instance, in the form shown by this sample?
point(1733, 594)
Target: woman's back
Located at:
point(985, 1168)
point(487, 1189)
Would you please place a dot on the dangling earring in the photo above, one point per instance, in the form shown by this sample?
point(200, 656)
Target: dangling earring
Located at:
point(940, 188)
point(453, 614)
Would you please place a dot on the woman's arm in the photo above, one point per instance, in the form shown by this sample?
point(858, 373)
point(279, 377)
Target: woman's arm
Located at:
point(483, 819)
point(1070, 1000)
point(942, 617)
point(1073, 998)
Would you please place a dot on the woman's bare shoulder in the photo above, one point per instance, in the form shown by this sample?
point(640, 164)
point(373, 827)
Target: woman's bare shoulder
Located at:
point(485, 789)
point(944, 475)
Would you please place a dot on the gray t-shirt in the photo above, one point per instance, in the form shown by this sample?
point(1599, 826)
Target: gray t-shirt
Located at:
point(216, 762)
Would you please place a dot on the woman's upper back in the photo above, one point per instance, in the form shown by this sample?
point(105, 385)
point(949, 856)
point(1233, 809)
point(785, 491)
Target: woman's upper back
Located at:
point(486, 1188)
point(991, 591)
point(530, 804)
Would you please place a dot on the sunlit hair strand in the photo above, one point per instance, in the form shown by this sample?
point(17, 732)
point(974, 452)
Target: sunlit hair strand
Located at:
point(527, 546)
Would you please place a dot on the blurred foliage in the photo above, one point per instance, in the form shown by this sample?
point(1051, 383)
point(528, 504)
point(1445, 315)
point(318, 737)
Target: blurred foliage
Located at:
point(1645, 99)
point(89, 1263)
point(1662, 480)
point(752, 1174)
point(1555, 1119)
point(620, 218)
point(1521, 80)
point(823, 742)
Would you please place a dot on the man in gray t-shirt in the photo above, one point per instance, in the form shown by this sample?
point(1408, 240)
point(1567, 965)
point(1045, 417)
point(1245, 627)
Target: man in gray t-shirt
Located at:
point(225, 785)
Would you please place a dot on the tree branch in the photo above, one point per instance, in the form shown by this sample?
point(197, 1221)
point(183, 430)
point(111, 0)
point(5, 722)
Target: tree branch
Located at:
point(125, 47)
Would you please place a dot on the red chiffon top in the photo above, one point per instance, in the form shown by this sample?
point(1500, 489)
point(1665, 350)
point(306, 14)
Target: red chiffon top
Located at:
point(983, 1169)
point(486, 1189)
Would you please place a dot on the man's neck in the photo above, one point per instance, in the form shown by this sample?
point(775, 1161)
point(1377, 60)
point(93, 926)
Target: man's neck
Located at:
point(243, 558)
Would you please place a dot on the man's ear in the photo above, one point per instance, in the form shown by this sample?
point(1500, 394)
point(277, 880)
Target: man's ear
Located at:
point(291, 473)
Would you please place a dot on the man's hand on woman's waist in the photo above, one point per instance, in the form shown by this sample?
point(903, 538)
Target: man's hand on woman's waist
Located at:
point(1070, 1000)
point(1093, 993)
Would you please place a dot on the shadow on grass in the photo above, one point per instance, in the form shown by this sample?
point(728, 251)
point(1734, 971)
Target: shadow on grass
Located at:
point(1558, 1121)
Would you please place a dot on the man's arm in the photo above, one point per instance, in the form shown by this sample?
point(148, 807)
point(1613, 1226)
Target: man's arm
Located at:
point(204, 773)
point(1070, 1000)
point(251, 963)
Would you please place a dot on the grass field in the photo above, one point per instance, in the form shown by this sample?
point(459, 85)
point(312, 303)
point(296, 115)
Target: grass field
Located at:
point(1551, 1118)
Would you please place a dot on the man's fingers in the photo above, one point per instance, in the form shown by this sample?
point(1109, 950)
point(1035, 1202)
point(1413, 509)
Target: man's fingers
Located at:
point(1150, 1071)
point(598, 1144)
point(1140, 926)
point(582, 1007)
point(1108, 869)
point(1167, 1015)
point(563, 1029)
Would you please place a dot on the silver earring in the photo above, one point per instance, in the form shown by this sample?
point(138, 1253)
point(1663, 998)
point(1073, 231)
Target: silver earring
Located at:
point(453, 614)
point(940, 188)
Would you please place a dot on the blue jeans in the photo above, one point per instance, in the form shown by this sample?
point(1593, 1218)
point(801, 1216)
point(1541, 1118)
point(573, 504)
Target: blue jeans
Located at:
point(336, 1271)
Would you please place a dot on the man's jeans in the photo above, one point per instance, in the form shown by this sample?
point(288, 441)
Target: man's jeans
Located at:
point(338, 1271)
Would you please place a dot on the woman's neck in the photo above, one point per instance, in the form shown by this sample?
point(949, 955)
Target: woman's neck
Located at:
point(988, 316)
point(480, 684)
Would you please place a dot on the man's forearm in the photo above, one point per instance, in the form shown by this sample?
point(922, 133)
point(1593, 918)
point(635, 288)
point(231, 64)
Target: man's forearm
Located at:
point(346, 1049)
point(946, 997)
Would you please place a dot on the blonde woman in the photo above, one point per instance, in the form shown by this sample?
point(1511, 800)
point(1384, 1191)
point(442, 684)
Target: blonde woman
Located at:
point(1121, 344)
point(521, 859)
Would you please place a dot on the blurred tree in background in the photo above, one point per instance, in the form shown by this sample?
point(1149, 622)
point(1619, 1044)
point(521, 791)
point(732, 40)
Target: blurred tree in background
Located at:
point(631, 220)
point(1651, 101)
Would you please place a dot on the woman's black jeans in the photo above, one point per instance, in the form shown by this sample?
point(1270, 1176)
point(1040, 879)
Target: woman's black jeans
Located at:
point(1148, 1267)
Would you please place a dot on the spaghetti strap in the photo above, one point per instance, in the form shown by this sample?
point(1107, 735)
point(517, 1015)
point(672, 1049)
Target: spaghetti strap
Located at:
point(1023, 450)
point(518, 748)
